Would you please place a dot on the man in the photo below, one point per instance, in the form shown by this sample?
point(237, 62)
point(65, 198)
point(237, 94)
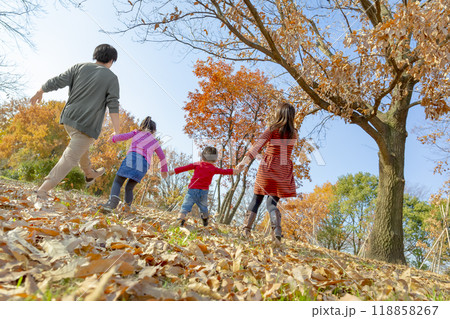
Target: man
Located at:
point(93, 87)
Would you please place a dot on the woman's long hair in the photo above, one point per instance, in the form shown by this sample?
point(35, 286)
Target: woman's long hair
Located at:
point(284, 120)
point(148, 125)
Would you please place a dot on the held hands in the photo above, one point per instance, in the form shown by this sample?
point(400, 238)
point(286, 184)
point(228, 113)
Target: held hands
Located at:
point(171, 173)
point(236, 171)
point(242, 164)
point(164, 175)
point(239, 168)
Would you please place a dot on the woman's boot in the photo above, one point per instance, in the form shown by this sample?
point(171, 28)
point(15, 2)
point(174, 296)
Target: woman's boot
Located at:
point(275, 221)
point(249, 219)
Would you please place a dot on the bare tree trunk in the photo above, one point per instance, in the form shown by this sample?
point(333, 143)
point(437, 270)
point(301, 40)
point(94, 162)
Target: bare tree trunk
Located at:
point(224, 212)
point(238, 203)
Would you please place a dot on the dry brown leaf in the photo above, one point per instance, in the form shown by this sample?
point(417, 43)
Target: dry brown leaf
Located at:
point(317, 276)
point(145, 288)
point(173, 271)
point(302, 273)
point(99, 266)
point(120, 246)
point(254, 295)
point(67, 271)
point(272, 290)
point(55, 249)
point(30, 285)
point(149, 271)
point(349, 297)
point(98, 293)
point(205, 290)
point(227, 285)
point(203, 248)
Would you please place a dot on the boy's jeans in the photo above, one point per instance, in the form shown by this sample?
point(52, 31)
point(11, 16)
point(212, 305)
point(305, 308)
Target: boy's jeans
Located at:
point(196, 196)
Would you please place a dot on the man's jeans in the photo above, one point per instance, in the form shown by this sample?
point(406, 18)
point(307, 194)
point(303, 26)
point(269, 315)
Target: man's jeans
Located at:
point(196, 196)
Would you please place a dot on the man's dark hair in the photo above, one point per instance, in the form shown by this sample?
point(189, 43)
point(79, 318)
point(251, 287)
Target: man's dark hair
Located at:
point(105, 53)
point(209, 154)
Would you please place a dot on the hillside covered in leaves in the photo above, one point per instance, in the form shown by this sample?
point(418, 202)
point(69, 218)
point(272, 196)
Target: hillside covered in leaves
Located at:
point(65, 249)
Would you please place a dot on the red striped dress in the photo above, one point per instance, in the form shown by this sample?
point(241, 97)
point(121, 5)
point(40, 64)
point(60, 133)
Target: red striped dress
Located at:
point(275, 173)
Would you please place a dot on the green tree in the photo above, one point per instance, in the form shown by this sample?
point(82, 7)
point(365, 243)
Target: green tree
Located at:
point(417, 241)
point(355, 199)
point(332, 234)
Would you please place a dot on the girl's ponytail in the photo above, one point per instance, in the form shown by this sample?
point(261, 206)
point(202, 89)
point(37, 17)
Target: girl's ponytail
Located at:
point(148, 125)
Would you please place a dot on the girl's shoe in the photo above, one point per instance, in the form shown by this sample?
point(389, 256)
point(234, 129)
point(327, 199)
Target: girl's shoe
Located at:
point(111, 204)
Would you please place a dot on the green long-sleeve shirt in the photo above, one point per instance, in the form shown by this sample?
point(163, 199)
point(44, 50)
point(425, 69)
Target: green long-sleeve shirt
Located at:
point(92, 88)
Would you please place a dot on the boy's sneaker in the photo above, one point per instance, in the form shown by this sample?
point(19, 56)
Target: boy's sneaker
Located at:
point(97, 173)
point(181, 221)
point(205, 221)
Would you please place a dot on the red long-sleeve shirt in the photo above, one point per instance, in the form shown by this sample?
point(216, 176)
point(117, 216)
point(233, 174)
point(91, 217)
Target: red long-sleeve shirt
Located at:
point(203, 174)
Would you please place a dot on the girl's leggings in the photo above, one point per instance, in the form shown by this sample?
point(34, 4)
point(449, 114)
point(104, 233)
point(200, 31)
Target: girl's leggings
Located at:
point(271, 203)
point(117, 185)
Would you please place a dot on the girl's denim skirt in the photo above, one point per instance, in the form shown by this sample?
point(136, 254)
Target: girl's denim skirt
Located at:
point(134, 166)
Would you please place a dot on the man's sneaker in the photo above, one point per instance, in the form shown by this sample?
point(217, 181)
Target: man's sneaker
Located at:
point(40, 195)
point(97, 173)
point(205, 221)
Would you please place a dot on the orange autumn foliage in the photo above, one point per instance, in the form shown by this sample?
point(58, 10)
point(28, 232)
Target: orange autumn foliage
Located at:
point(30, 132)
point(230, 109)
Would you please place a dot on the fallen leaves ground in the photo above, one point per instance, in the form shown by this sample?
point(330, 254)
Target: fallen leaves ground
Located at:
point(65, 249)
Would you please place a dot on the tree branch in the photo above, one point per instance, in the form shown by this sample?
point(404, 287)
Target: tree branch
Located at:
point(320, 42)
point(370, 11)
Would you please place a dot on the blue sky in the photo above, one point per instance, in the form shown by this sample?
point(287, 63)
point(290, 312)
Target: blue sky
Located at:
point(155, 80)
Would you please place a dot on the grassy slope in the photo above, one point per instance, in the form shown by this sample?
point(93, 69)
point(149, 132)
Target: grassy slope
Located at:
point(64, 249)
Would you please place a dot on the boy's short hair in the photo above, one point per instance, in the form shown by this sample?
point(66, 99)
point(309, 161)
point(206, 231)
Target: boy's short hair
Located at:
point(209, 154)
point(104, 53)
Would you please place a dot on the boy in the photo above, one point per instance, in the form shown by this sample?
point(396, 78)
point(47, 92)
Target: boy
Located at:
point(204, 172)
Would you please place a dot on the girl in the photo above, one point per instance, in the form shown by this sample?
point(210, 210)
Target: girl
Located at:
point(275, 174)
point(135, 165)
